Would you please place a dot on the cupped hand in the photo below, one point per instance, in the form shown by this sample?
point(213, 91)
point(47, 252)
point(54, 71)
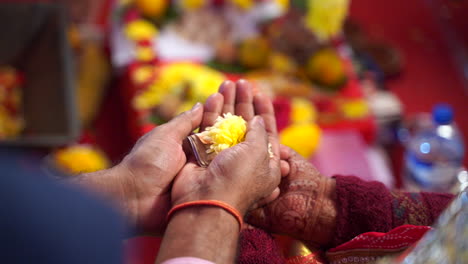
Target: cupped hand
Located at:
point(305, 209)
point(240, 175)
point(238, 98)
point(243, 165)
point(149, 169)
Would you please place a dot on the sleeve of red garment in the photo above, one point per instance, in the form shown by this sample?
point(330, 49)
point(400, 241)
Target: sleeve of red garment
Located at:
point(369, 206)
point(258, 247)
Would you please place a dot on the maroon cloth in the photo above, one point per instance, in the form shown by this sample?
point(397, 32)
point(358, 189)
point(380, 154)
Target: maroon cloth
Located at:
point(257, 247)
point(370, 206)
point(362, 207)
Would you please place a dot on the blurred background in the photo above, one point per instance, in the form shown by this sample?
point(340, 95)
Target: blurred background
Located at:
point(376, 89)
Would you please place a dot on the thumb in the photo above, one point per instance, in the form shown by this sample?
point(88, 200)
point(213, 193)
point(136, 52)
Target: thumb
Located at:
point(256, 133)
point(182, 125)
point(258, 218)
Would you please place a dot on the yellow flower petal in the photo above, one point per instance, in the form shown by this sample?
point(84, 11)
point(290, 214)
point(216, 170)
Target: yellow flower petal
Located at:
point(227, 132)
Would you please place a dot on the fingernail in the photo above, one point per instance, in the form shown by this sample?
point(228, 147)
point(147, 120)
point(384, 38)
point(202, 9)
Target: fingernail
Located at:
point(224, 84)
point(196, 106)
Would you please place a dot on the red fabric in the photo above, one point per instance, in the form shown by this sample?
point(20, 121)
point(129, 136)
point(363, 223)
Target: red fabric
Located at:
point(436, 202)
point(362, 207)
point(370, 206)
point(257, 247)
point(398, 238)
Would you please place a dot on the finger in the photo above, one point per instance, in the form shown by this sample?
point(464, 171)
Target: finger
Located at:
point(213, 108)
point(259, 218)
point(285, 152)
point(264, 108)
point(244, 100)
point(256, 134)
point(182, 125)
point(284, 167)
point(270, 198)
point(228, 91)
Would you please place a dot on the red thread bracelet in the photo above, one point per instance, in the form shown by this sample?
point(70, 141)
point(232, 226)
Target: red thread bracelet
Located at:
point(234, 212)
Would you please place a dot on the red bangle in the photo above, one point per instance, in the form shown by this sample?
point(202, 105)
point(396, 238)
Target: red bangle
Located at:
point(215, 203)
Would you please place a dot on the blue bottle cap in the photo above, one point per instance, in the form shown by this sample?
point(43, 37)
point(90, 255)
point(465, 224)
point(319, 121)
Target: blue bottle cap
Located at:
point(442, 114)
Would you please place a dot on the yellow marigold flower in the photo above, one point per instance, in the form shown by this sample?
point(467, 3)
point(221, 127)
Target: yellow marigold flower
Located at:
point(227, 132)
point(254, 52)
point(142, 74)
point(302, 111)
point(326, 68)
point(244, 4)
point(152, 8)
point(325, 18)
point(80, 159)
point(191, 4)
point(190, 81)
point(282, 63)
point(140, 29)
point(144, 53)
point(354, 109)
point(303, 138)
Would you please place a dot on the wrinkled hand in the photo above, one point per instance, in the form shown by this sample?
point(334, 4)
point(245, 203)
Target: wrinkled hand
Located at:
point(148, 171)
point(237, 98)
point(239, 176)
point(305, 209)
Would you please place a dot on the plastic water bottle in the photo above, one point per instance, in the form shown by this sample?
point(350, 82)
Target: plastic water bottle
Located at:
point(434, 155)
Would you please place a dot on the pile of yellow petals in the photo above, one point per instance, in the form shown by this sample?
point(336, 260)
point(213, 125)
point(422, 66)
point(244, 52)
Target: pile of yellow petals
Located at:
point(192, 82)
point(326, 18)
point(228, 131)
point(80, 159)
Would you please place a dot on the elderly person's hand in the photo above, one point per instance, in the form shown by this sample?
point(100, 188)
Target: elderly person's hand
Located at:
point(237, 98)
point(240, 176)
point(305, 209)
point(140, 184)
